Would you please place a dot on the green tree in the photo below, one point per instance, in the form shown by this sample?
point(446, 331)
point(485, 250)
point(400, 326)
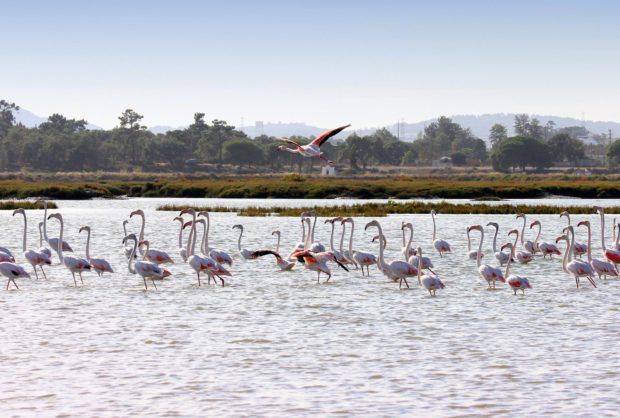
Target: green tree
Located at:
point(243, 152)
point(521, 124)
point(130, 119)
point(563, 147)
point(458, 158)
point(58, 123)
point(521, 152)
point(497, 134)
point(212, 141)
point(613, 154)
point(7, 119)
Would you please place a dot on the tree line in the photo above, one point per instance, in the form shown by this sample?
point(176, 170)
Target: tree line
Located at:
point(64, 144)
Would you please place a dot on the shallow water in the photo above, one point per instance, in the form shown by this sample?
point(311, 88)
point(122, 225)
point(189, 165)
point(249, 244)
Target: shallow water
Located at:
point(274, 343)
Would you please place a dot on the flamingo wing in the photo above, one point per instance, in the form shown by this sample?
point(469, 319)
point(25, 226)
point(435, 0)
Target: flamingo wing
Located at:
point(321, 139)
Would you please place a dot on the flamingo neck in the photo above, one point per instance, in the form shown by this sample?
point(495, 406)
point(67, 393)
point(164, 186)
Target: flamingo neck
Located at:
point(303, 231)
point(515, 245)
point(41, 234)
point(344, 228)
point(181, 235)
point(589, 244)
point(434, 227)
point(147, 245)
point(45, 221)
point(313, 226)
point(572, 244)
point(381, 248)
point(203, 243)
point(331, 238)
point(468, 241)
point(132, 256)
point(565, 258)
point(87, 244)
point(307, 243)
point(538, 235)
point(207, 233)
point(141, 236)
point(408, 246)
point(62, 227)
point(25, 228)
point(602, 228)
point(508, 264)
point(239, 241)
point(495, 240)
point(191, 240)
point(278, 244)
point(523, 231)
point(351, 238)
point(479, 255)
point(419, 268)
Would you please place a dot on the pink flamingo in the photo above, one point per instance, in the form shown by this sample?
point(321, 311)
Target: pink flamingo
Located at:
point(35, 258)
point(53, 242)
point(430, 283)
point(440, 245)
point(220, 256)
point(414, 260)
point(282, 263)
point(580, 248)
point(601, 267)
point(73, 264)
point(522, 257)
point(182, 249)
point(397, 269)
point(360, 258)
point(145, 269)
point(12, 271)
point(528, 245)
point(98, 264)
point(546, 248)
point(500, 256)
point(576, 268)
point(313, 149)
point(487, 272)
point(612, 254)
point(318, 262)
point(151, 254)
point(515, 282)
point(472, 254)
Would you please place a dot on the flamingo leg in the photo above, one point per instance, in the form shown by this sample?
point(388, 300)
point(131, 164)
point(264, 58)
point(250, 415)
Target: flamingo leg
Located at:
point(74, 281)
point(198, 274)
point(153, 281)
point(591, 281)
point(7, 284)
point(82, 280)
point(145, 286)
point(15, 283)
point(317, 276)
point(35, 272)
point(220, 277)
point(43, 271)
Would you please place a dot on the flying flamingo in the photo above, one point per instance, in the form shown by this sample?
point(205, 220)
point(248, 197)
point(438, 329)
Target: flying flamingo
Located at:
point(282, 263)
point(202, 263)
point(487, 272)
point(612, 254)
point(145, 269)
point(151, 254)
point(35, 258)
point(12, 271)
point(440, 245)
point(528, 245)
point(500, 256)
point(318, 262)
point(220, 256)
point(53, 242)
point(472, 254)
point(580, 248)
point(576, 268)
point(313, 149)
point(515, 282)
point(397, 269)
point(182, 249)
point(430, 283)
point(522, 257)
point(42, 248)
point(546, 248)
point(601, 267)
point(360, 258)
point(73, 264)
point(98, 264)
point(414, 259)
point(127, 249)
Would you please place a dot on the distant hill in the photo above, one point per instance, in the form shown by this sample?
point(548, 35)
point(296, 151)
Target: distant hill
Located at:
point(479, 125)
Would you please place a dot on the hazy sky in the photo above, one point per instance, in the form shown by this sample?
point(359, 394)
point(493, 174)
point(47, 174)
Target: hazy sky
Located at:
point(368, 63)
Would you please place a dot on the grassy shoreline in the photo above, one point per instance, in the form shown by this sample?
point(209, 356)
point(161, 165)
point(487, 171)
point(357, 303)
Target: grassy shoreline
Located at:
point(390, 208)
point(293, 186)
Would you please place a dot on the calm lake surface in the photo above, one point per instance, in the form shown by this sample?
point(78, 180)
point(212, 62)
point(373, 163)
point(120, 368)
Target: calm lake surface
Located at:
point(279, 344)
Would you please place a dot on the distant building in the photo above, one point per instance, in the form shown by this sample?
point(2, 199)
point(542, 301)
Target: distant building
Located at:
point(328, 171)
point(442, 162)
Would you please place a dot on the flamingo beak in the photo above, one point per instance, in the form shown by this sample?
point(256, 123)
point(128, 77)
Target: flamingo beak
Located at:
point(167, 273)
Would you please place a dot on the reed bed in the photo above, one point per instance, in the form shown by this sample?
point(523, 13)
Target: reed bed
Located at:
point(24, 204)
point(389, 208)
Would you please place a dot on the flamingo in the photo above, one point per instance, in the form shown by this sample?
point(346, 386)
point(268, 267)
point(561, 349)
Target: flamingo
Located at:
point(73, 264)
point(145, 269)
point(546, 248)
point(127, 249)
point(528, 245)
point(487, 272)
point(360, 258)
point(347, 255)
point(202, 263)
point(338, 254)
point(282, 263)
point(395, 270)
point(500, 256)
point(414, 259)
point(42, 248)
point(245, 253)
point(313, 149)
point(151, 254)
point(6, 258)
point(580, 248)
point(440, 245)
point(472, 254)
point(220, 256)
point(523, 257)
point(612, 254)
point(576, 268)
point(53, 242)
point(318, 262)
point(35, 258)
point(98, 264)
point(515, 282)
point(12, 271)
point(182, 249)
point(601, 267)
point(407, 250)
point(430, 283)
point(315, 247)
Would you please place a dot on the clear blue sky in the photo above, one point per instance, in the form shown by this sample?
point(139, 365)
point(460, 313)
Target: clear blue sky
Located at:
point(320, 62)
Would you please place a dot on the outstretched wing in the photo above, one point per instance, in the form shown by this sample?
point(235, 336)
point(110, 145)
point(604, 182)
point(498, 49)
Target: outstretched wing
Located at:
point(261, 253)
point(290, 142)
point(320, 140)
